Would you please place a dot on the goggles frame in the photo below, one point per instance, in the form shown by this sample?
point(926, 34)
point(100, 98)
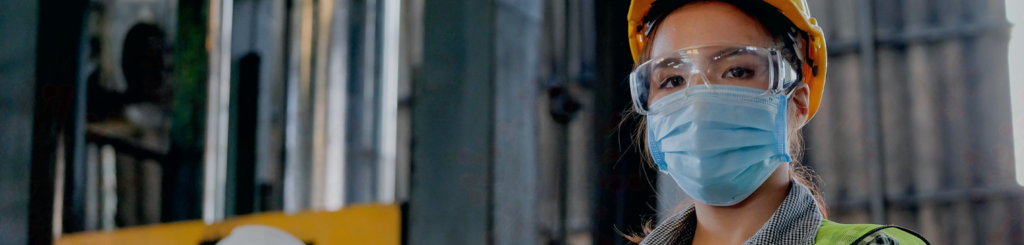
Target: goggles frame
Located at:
point(781, 75)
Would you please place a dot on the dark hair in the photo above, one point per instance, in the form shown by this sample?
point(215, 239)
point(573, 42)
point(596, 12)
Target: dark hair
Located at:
point(785, 37)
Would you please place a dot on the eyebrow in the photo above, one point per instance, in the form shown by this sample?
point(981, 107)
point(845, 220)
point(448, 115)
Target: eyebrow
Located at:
point(718, 54)
point(669, 63)
point(730, 52)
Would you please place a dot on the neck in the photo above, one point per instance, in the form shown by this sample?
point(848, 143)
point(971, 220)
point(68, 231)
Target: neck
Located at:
point(737, 223)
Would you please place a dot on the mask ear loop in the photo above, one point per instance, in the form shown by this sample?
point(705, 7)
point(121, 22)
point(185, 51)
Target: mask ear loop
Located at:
point(777, 72)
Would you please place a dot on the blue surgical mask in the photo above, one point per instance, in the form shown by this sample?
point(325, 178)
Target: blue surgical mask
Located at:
point(719, 143)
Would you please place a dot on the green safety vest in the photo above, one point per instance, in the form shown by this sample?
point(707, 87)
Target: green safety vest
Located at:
point(832, 233)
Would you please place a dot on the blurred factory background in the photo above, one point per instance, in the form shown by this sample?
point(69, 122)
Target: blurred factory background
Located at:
point(456, 121)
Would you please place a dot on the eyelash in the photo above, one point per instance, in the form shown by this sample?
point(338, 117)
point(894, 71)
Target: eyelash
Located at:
point(747, 72)
point(669, 80)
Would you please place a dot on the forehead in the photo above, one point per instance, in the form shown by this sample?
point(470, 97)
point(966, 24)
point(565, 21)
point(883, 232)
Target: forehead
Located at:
point(705, 23)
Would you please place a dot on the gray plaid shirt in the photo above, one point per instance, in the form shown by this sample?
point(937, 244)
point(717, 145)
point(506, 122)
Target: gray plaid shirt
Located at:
point(795, 222)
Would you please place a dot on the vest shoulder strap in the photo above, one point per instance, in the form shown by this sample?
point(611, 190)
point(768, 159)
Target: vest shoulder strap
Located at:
point(832, 233)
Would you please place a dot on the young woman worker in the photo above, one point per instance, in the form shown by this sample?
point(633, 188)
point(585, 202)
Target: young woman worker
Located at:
point(725, 87)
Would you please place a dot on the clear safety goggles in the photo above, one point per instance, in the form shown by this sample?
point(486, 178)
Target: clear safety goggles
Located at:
point(708, 65)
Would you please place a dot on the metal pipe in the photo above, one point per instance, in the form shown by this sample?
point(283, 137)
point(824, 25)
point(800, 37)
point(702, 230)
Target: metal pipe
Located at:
point(872, 112)
point(364, 141)
point(218, 101)
point(108, 173)
point(224, 112)
point(337, 103)
point(323, 11)
point(296, 175)
point(92, 187)
point(389, 101)
point(210, 151)
point(58, 192)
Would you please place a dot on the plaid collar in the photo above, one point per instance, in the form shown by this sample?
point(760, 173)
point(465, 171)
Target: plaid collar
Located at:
point(795, 222)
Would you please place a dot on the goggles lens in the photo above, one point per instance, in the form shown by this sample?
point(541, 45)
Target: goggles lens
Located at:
point(735, 65)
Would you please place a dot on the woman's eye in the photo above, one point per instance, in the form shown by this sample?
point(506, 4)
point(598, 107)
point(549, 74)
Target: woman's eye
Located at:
point(672, 82)
point(738, 72)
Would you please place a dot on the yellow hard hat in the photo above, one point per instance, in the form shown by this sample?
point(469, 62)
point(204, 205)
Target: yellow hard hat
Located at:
point(795, 10)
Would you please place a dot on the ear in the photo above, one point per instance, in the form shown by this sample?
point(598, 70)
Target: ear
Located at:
point(799, 105)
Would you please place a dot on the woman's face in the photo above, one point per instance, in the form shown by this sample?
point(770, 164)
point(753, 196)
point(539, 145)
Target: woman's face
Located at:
point(704, 23)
